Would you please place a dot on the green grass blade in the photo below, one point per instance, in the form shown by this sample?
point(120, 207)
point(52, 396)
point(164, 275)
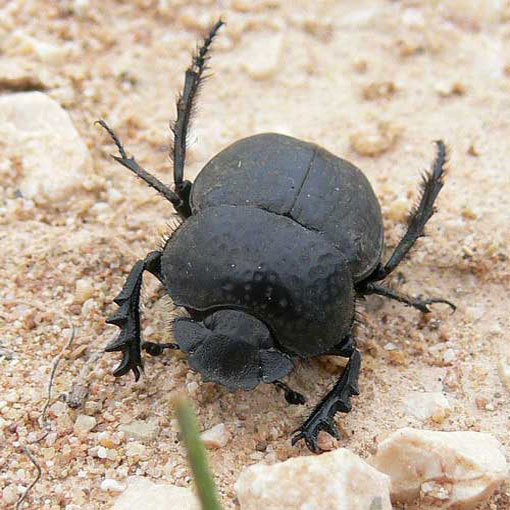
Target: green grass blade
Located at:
point(197, 455)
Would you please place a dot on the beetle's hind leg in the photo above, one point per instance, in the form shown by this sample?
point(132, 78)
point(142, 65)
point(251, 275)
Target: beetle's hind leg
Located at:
point(185, 106)
point(432, 183)
point(337, 400)
point(127, 317)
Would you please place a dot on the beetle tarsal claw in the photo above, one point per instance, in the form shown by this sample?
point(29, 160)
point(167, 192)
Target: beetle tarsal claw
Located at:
point(337, 400)
point(309, 431)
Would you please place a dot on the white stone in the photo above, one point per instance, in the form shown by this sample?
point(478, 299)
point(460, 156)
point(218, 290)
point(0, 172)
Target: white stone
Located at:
point(263, 56)
point(142, 494)
point(337, 480)
point(216, 437)
point(36, 131)
point(135, 450)
point(109, 484)
point(84, 290)
point(84, 424)
point(449, 356)
point(19, 43)
point(427, 405)
point(446, 470)
point(474, 12)
point(504, 372)
point(141, 430)
point(102, 452)
point(81, 7)
point(9, 495)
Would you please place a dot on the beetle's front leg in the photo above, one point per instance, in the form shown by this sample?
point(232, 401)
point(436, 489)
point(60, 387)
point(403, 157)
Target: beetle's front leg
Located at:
point(127, 317)
point(337, 400)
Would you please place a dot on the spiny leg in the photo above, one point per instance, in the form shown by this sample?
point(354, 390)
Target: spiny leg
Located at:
point(127, 317)
point(291, 396)
point(430, 188)
point(185, 107)
point(337, 400)
point(420, 304)
point(153, 182)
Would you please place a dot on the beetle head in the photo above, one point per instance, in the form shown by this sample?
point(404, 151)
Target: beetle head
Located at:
point(232, 348)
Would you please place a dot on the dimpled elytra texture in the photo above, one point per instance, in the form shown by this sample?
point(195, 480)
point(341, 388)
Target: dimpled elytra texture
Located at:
point(291, 277)
point(338, 480)
point(304, 182)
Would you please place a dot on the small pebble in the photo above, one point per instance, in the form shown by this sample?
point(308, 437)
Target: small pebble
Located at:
point(216, 437)
point(427, 405)
point(102, 452)
point(141, 493)
point(449, 356)
point(9, 495)
point(84, 424)
point(373, 142)
point(135, 450)
point(84, 290)
point(451, 89)
point(264, 56)
point(504, 372)
point(192, 388)
point(379, 90)
point(109, 484)
point(141, 430)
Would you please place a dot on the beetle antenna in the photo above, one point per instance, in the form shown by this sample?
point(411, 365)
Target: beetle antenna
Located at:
point(186, 106)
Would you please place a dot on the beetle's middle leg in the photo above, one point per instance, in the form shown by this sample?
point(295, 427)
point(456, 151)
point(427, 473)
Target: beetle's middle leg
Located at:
point(127, 317)
point(431, 186)
point(337, 400)
point(418, 303)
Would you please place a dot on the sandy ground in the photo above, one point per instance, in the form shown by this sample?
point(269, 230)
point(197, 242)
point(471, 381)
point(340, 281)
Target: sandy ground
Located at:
point(373, 81)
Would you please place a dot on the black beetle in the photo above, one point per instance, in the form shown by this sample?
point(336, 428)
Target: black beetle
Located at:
point(279, 238)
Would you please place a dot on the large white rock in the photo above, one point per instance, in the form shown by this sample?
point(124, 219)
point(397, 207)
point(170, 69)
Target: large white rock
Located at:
point(36, 132)
point(142, 494)
point(338, 480)
point(444, 470)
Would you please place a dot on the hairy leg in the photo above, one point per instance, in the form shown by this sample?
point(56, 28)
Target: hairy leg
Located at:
point(185, 106)
point(420, 304)
point(419, 216)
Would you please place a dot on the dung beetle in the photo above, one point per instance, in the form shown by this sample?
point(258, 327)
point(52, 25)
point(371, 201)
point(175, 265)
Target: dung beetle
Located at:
point(278, 240)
